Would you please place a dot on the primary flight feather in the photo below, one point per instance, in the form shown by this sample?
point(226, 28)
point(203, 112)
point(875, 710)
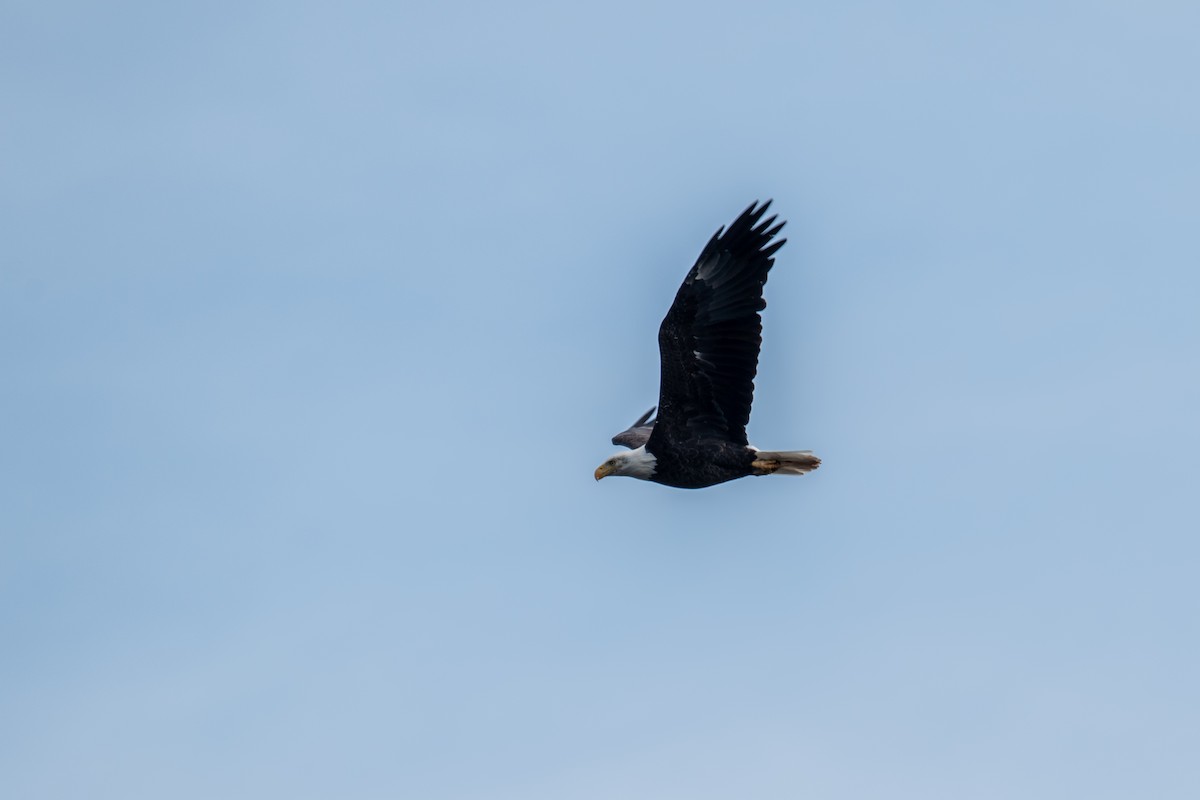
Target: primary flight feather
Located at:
point(708, 347)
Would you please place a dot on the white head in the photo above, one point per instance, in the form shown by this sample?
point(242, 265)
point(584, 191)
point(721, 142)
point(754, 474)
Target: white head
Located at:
point(636, 464)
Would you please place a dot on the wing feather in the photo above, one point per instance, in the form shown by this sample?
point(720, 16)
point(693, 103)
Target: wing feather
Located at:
point(710, 338)
point(638, 433)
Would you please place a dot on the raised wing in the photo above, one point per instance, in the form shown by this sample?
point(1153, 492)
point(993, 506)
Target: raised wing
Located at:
point(636, 434)
point(709, 340)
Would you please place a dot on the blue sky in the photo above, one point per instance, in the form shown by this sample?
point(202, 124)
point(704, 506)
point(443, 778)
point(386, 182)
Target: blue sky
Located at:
point(316, 319)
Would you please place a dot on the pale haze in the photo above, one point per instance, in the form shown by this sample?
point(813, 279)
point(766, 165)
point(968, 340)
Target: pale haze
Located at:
point(315, 320)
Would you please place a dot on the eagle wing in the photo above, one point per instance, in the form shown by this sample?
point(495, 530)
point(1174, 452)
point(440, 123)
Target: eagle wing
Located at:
point(709, 340)
point(636, 434)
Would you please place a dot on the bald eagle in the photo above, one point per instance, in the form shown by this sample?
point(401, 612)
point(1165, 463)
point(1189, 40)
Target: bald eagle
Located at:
point(708, 348)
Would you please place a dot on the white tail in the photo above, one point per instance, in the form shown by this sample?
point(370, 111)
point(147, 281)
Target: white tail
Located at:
point(785, 462)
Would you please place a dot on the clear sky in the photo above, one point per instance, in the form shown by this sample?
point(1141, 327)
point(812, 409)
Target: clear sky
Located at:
point(315, 319)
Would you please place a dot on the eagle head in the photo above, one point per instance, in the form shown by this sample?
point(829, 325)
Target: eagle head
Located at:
point(637, 463)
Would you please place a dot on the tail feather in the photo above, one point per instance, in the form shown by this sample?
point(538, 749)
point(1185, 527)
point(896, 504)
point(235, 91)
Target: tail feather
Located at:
point(784, 462)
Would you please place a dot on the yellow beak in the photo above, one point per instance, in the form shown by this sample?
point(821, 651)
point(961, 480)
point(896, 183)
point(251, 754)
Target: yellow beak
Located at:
point(603, 471)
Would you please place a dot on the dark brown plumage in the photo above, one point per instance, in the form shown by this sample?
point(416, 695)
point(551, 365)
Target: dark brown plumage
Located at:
point(708, 346)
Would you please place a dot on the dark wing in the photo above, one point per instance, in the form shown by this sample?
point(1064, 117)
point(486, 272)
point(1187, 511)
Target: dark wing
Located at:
point(708, 343)
point(636, 434)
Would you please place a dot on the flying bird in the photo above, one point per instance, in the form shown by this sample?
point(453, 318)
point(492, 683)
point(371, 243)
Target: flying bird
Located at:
point(708, 349)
